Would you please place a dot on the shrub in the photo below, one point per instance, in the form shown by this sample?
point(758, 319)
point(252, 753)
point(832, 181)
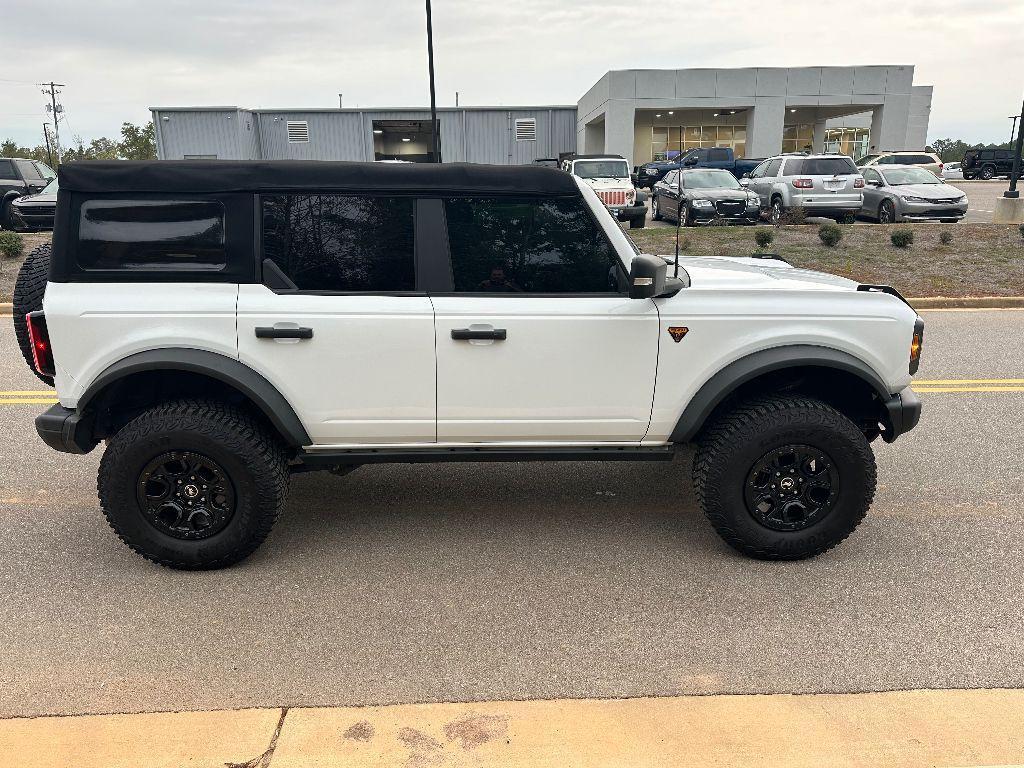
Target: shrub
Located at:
point(902, 238)
point(795, 215)
point(12, 245)
point(830, 234)
point(763, 237)
point(945, 237)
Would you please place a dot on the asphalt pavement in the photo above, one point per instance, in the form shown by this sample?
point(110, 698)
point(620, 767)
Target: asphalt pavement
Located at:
point(469, 582)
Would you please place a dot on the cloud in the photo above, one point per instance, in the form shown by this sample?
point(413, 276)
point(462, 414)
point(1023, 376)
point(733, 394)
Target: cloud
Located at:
point(118, 58)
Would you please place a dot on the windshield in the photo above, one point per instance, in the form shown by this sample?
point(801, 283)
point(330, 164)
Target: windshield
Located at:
point(867, 159)
point(601, 169)
point(50, 189)
point(898, 176)
point(710, 180)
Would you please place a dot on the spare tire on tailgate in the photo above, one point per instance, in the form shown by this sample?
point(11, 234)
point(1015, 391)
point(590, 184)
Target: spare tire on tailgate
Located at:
point(28, 297)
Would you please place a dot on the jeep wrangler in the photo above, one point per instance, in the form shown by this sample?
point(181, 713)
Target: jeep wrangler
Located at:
point(222, 325)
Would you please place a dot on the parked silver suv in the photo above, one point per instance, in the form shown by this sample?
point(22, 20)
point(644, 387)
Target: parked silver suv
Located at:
point(822, 185)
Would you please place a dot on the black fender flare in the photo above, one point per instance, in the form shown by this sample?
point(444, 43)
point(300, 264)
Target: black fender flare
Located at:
point(739, 372)
point(225, 369)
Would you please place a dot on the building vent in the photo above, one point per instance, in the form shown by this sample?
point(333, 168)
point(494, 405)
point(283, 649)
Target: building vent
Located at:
point(298, 132)
point(526, 129)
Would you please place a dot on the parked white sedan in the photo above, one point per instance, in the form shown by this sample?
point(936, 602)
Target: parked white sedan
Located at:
point(953, 172)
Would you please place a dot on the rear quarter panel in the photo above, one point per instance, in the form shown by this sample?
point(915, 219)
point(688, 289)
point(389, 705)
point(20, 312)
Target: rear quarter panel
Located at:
point(94, 325)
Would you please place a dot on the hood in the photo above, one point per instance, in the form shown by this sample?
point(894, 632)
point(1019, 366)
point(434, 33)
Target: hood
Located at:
point(717, 194)
point(727, 273)
point(928, 191)
point(50, 198)
point(609, 183)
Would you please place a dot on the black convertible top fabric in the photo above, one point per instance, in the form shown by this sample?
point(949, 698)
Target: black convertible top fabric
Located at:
point(203, 176)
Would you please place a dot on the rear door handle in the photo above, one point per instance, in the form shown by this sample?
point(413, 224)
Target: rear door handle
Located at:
point(467, 334)
point(284, 333)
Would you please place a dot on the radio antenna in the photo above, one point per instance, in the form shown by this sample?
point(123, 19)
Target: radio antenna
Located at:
point(679, 219)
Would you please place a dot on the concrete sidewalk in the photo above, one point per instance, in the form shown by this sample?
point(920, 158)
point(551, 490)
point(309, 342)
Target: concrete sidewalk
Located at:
point(904, 728)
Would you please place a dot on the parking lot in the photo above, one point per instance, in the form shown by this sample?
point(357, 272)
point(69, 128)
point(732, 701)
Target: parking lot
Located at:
point(468, 582)
point(981, 194)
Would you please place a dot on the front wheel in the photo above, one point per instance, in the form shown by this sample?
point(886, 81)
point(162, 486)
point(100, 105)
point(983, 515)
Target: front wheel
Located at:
point(988, 173)
point(886, 212)
point(655, 209)
point(193, 484)
point(784, 478)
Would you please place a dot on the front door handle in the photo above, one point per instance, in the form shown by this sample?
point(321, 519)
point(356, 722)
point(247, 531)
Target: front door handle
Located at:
point(284, 333)
point(468, 334)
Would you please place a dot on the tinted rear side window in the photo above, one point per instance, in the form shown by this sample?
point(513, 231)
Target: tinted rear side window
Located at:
point(151, 235)
point(821, 166)
point(7, 170)
point(718, 155)
point(28, 170)
point(341, 243)
point(538, 245)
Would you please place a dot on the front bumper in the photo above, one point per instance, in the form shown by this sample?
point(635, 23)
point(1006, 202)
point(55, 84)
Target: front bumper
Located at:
point(627, 212)
point(65, 430)
point(903, 412)
point(932, 211)
point(746, 215)
point(29, 217)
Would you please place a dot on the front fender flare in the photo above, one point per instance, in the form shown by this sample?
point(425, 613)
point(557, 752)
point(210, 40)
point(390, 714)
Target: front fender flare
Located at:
point(236, 374)
point(748, 368)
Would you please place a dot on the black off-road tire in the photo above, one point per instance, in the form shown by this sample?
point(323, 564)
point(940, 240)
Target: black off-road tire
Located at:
point(655, 209)
point(28, 297)
point(253, 460)
point(731, 447)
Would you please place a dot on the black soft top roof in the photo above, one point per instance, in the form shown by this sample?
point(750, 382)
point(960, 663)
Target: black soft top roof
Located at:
point(202, 176)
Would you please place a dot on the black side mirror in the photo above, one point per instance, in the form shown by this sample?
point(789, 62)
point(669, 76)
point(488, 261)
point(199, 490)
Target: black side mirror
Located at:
point(647, 276)
point(634, 178)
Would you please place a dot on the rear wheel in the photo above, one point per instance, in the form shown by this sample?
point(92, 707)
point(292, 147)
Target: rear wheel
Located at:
point(886, 212)
point(193, 484)
point(777, 211)
point(655, 209)
point(784, 478)
point(28, 297)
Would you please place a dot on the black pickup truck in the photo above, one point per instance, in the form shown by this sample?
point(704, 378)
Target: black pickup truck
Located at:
point(18, 177)
point(650, 174)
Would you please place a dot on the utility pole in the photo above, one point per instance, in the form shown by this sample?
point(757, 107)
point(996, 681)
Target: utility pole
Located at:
point(1013, 130)
point(56, 109)
point(49, 152)
point(456, 98)
point(435, 139)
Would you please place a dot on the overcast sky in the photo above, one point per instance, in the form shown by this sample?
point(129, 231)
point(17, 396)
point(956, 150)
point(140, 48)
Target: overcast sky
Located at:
point(118, 57)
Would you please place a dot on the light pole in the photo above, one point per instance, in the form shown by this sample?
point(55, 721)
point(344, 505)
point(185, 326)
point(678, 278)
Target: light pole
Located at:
point(1012, 192)
point(1013, 129)
point(435, 139)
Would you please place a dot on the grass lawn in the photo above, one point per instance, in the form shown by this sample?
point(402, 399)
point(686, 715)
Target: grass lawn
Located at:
point(982, 260)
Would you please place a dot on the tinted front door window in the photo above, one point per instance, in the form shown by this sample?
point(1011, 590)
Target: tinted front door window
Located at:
point(341, 243)
point(540, 245)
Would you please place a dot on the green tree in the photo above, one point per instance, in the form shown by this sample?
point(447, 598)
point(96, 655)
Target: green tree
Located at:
point(138, 142)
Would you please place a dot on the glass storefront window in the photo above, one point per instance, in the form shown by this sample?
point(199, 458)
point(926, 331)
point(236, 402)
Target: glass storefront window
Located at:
point(669, 141)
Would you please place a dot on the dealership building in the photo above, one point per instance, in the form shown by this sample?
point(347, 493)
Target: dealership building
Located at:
point(641, 114)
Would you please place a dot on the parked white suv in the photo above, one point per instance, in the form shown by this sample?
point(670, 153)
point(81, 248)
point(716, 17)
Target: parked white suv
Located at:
point(222, 325)
point(609, 176)
point(820, 185)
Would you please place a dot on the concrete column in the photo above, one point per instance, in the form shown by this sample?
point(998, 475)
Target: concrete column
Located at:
point(618, 128)
point(593, 139)
point(889, 124)
point(764, 126)
point(818, 142)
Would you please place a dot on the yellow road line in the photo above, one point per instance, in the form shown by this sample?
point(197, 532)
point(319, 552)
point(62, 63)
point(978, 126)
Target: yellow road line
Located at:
point(28, 401)
point(960, 389)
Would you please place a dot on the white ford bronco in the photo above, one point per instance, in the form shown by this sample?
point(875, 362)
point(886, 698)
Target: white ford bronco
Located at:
point(221, 325)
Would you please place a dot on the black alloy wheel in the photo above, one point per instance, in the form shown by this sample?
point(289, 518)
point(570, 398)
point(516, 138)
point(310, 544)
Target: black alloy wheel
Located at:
point(186, 495)
point(791, 488)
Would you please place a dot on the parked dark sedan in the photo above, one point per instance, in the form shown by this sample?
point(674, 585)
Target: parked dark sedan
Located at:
point(35, 211)
point(703, 196)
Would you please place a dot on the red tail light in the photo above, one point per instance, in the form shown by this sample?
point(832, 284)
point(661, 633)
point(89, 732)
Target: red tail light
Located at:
point(858, 183)
point(803, 183)
point(941, 166)
point(39, 339)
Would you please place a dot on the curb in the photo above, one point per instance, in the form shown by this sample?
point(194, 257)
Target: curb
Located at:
point(964, 302)
point(6, 308)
